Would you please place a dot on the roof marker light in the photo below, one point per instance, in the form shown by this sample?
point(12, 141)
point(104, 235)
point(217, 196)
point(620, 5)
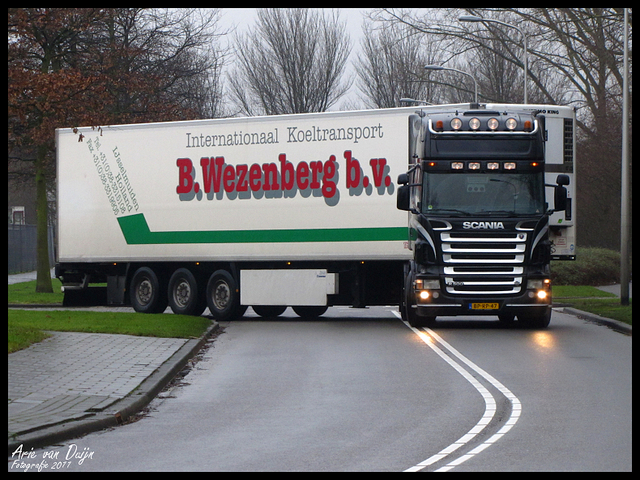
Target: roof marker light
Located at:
point(493, 124)
point(474, 123)
point(456, 123)
point(511, 123)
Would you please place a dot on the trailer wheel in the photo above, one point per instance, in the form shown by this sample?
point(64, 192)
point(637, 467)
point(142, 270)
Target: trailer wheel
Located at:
point(269, 311)
point(223, 296)
point(146, 292)
point(310, 312)
point(184, 293)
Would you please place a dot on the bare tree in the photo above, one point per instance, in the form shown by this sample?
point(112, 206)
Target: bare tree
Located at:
point(292, 62)
point(161, 64)
point(391, 65)
point(575, 58)
point(71, 66)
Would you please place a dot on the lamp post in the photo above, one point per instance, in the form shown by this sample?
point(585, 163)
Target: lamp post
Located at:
point(438, 67)
point(475, 19)
point(625, 217)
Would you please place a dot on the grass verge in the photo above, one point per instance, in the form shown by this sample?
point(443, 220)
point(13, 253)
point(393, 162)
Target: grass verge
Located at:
point(25, 294)
point(28, 326)
point(590, 299)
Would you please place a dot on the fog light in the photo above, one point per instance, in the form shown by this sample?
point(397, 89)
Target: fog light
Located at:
point(424, 295)
point(542, 294)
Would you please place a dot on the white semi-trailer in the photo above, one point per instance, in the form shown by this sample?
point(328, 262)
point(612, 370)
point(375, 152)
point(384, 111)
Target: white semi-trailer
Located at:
point(268, 212)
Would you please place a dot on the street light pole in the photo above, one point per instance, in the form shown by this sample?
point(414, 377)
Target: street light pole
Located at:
point(438, 67)
point(473, 18)
point(625, 218)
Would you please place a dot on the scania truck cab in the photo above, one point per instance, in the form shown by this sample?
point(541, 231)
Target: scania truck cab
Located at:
point(486, 192)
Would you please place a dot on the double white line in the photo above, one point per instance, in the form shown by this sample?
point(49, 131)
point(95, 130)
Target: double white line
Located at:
point(435, 342)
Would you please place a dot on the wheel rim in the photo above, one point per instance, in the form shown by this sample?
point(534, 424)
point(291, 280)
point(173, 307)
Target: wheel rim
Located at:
point(182, 293)
point(144, 292)
point(221, 295)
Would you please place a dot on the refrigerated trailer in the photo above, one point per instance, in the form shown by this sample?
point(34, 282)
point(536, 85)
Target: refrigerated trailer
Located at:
point(268, 212)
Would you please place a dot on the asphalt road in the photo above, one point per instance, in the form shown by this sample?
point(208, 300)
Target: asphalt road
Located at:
point(359, 390)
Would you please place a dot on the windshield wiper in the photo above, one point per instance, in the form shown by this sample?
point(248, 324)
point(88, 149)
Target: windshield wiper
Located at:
point(509, 213)
point(447, 210)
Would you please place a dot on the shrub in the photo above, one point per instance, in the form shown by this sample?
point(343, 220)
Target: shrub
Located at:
point(593, 266)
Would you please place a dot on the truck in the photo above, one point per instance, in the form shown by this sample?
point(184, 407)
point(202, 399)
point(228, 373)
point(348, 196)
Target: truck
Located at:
point(480, 226)
point(305, 211)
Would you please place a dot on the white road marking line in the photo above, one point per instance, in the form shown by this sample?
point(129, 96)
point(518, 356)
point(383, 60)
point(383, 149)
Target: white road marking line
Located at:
point(490, 403)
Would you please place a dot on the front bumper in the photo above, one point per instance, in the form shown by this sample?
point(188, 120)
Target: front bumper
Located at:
point(448, 305)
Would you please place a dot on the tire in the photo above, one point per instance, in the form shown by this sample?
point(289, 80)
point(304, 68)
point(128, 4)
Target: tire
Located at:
point(310, 312)
point(184, 294)
point(147, 292)
point(507, 320)
point(409, 313)
point(268, 310)
point(223, 296)
point(536, 322)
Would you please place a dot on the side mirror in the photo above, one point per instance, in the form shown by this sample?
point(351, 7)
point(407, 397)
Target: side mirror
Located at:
point(560, 193)
point(403, 179)
point(402, 197)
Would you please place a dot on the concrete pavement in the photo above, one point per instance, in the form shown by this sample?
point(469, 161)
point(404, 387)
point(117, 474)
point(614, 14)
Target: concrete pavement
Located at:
point(74, 383)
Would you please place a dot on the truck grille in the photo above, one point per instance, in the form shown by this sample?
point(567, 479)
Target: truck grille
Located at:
point(490, 264)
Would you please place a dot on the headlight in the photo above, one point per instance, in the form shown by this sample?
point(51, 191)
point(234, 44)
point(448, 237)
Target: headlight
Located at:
point(535, 284)
point(431, 284)
point(427, 284)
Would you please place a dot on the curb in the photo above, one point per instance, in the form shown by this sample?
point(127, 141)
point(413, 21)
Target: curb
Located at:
point(123, 409)
point(616, 325)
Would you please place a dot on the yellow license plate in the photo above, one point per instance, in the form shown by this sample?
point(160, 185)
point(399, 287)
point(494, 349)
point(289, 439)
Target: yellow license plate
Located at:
point(484, 306)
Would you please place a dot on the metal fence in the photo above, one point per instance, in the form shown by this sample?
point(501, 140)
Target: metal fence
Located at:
point(22, 248)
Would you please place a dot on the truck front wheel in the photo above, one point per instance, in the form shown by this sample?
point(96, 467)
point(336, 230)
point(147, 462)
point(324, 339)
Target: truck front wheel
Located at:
point(223, 296)
point(185, 295)
point(538, 321)
point(146, 292)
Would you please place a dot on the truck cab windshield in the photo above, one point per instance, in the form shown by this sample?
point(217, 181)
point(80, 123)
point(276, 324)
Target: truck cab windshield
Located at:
point(483, 193)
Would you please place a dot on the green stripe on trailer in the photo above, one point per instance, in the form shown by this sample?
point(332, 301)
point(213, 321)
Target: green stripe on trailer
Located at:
point(136, 232)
